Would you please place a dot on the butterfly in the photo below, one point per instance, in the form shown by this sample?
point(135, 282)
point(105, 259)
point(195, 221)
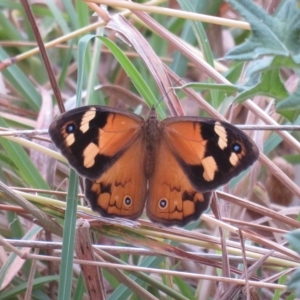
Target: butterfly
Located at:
point(171, 165)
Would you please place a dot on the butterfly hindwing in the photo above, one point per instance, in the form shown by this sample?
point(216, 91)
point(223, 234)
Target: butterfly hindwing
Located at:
point(121, 190)
point(172, 200)
point(210, 152)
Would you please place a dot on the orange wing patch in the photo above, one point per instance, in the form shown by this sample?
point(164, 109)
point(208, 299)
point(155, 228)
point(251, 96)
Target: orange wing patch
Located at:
point(117, 133)
point(191, 147)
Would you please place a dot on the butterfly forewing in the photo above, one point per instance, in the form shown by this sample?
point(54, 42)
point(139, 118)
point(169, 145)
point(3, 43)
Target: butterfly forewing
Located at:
point(92, 138)
point(209, 151)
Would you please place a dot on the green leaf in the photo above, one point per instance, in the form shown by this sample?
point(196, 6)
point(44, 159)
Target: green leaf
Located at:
point(197, 86)
point(132, 72)
point(69, 7)
point(202, 39)
point(14, 292)
point(66, 267)
point(271, 35)
point(268, 83)
point(80, 289)
point(22, 162)
point(290, 107)
point(185, 289)
point(19, 80)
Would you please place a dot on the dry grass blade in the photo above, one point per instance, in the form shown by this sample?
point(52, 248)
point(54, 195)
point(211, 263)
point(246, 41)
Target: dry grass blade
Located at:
point(122, 278)
point(225, 260)
point(260, 209)
point(14, 262)
point(93, 277)
point(43, 52)
point(236, 289)
point(148, 7)
point(44, 163)
point(42, 218)
point(32, 274)
point(155, 65)
point(185, 49)
point(253, 236)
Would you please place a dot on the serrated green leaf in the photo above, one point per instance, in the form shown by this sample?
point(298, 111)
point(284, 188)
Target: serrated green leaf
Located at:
point(268, 63)
point(271, 35)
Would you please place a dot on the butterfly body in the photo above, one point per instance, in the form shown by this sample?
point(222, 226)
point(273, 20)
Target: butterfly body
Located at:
point(152, 134)
point(172, 165)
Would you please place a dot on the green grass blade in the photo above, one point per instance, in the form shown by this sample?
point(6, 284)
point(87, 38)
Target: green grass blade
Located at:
point(66, 267)
point(22, 162)
point(21, 83)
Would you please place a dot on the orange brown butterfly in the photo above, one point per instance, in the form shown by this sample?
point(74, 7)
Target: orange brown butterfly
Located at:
point(171, 165)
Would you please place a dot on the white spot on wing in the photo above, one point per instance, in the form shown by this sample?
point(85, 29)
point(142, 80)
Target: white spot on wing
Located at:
point(87, 117)
point(221, 132)
point(89, 154)
point(234, 159)
point(70, 139)
point(210, 168)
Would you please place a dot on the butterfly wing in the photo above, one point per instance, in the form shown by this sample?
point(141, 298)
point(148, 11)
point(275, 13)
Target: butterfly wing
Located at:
point(101, 144)
point(195, 156)
point(92, 138)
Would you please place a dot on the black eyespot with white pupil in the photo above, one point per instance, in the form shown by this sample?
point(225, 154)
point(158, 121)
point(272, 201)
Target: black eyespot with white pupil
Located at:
point(236, 148)
point(70, 128)
point(163, 203)
point(127, 201)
